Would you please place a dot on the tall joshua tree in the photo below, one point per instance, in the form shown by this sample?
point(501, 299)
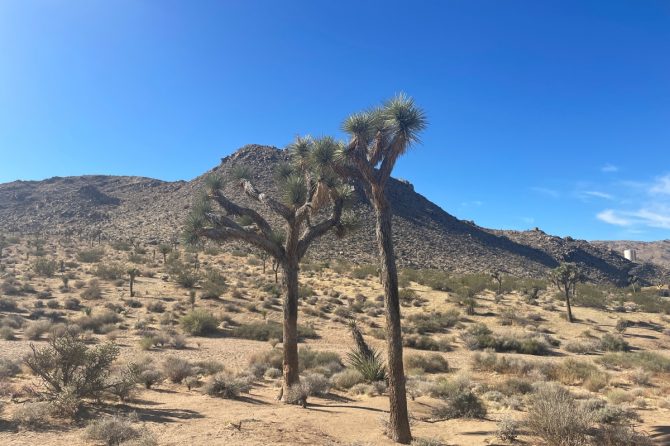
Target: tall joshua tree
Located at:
point(378, 138)
point(565, 277)
point(309, 190)
point(132, 274)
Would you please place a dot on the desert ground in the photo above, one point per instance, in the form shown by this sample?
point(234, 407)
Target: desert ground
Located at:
point(612, 357)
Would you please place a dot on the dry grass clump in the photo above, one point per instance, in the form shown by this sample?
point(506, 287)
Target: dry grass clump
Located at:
point(225, 385)
point(431, 363)
point(118, 430)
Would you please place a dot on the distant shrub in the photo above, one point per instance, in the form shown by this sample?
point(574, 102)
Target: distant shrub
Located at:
point(649, 361)
point(576, 372)
point(426, 342)
point(432, 363)
point(588, 295)
point(364, 271)
point(35, 330)
point(433, 322)
point(462, 404)
point(214, 285)
point(45, 267)
point(312, 359)
point(111, 271)
point(91, 255)
point(93, 291)
point(480, 337)
point(264, 331)
point(199, 322)
point(32, 415)
point(8, 368)
point(8, 304)
point(156, 307)
point(612, 343)
point(149, 378)
point(316, 384)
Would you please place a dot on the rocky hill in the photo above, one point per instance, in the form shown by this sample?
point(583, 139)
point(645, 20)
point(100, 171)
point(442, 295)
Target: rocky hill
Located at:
point(657, 252)
point(426, 236)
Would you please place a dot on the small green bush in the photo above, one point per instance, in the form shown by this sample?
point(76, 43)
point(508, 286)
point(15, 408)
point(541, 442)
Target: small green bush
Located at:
point(199, 322)
point(432, 363)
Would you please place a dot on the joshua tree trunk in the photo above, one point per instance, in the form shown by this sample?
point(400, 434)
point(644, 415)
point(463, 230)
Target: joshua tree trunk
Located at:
point(132, 282)
point(567, 303)
point(290, 363)
point(399, 423)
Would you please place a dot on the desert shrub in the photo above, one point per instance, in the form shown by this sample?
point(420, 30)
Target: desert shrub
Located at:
point(650, 302)
point(93, 291)
point(117, 430)
point(432, 363)
point(576, 372)
point(347, 378)
point(7, 333)
point(507, 430)
point(620, 435)
point(199, 322)
point(649, 361)
point(8, 304)
point(111, 271)
point(461, 404)
point(224, 385)
point(582, 347)
point(8, 368)
point(480, 337)
point(434, 322)
point(426, 342)
point(491, 362)
point(364, 271)
point(176, 369)
point(316, 384)
point(32, 415)
point(101, 323)
point(612, 343)
point(272, 373)
point(588, 295)
point(45, 267)
point(312, 359)
point(90, 255)
point(68, 365)
point(555, 416)
point(149, 378)
point(35, 330)
point(156, 306)
point(264, 360)
point(214, 285)
point(264, 331)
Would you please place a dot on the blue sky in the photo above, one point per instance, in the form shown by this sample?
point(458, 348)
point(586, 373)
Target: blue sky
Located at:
point(542, 113)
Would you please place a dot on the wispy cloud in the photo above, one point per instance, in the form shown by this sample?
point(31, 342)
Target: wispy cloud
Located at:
point(609, 168)
point(598, 194)
point(661, 186)
point(547, 192)
point(652, 208)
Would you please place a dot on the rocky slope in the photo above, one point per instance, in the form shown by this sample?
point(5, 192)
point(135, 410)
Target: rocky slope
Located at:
point(426, 236)
point(657, 252)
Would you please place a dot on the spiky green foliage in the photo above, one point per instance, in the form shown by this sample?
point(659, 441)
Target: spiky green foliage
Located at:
point(404, 119)
point(240, 172)
point(367, 360)
point(293, 191)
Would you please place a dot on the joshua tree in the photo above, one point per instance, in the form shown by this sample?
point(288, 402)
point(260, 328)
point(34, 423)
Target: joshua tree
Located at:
point(165, 250)
point(565, 277)
point(497, 278)
point(378, 138)
point(132, 273)
point(633, 281)
point(307, 185)
point(3, 244)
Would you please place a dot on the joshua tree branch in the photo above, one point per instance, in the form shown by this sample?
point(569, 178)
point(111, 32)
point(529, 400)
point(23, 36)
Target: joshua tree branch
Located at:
point(268, 201)
point(237, 210)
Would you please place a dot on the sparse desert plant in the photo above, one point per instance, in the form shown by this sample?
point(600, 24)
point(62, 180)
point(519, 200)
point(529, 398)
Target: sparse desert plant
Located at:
point(45, 267)
point(117, 430)
point(32, 415)
point(555, 416)
point(225, 385)
point(68, 365)
point(649, 361)
point(93, 255)
point(612, 343)
point(93, 291)
point(463, 403)
point(8, 368)
point(149, 378)
point(507, 430)
point(316, 384)
point(431, 363)
point(176, 369)
point(199, 322)
point(348, 378)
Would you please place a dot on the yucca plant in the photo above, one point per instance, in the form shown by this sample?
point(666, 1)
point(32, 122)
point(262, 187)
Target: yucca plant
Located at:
point(367, 360)
point(310, 189)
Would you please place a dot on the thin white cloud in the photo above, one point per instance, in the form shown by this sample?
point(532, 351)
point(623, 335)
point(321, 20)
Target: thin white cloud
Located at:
point(661, 186)
point(613, 217)
point(544, 191)
point(609, 168)
point(598, 194)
